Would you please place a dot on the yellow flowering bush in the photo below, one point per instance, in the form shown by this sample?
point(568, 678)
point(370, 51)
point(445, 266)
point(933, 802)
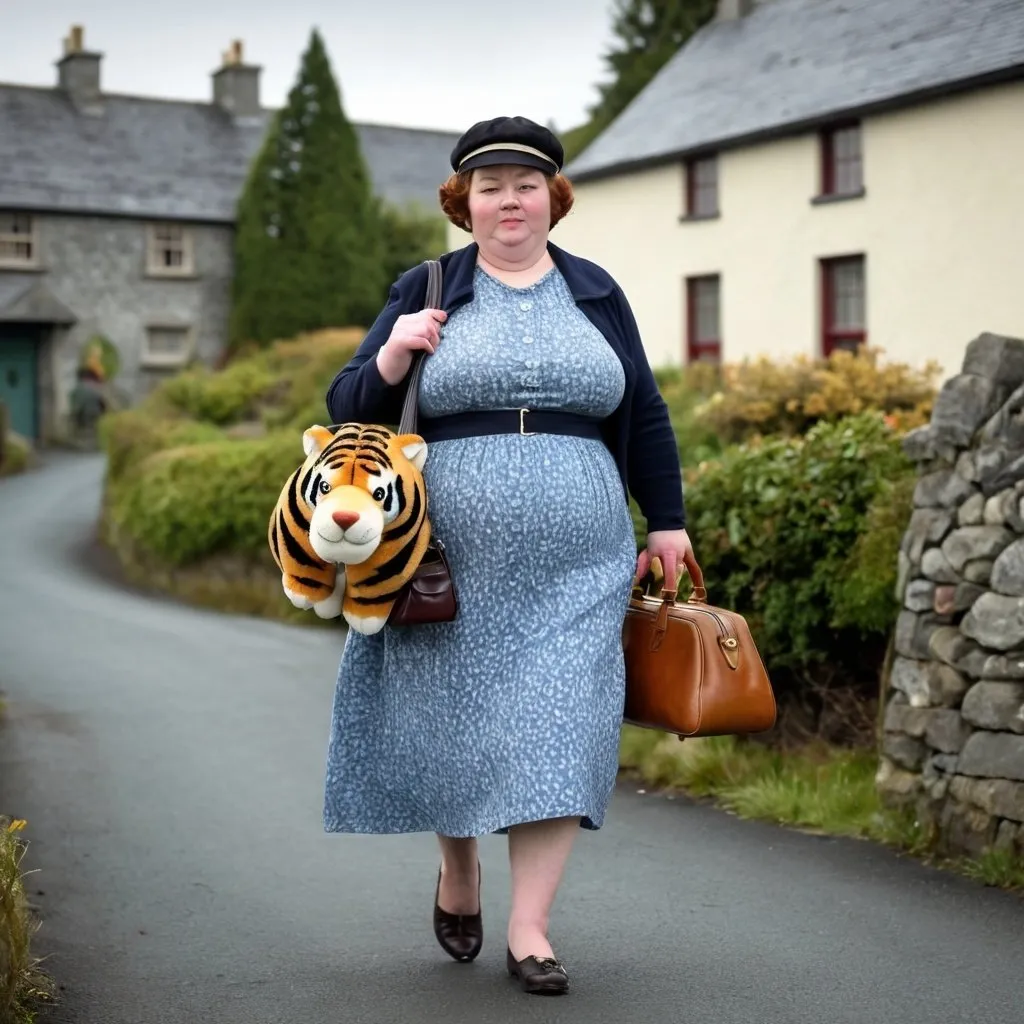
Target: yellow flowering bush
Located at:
point(764, 396)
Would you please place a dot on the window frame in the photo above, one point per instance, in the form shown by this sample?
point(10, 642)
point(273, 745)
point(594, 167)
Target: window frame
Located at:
point(832, 338)
point(154, 360)
point(697, 347)
point(16, 238)
point(156, 246)
point(829, 162)
point(693, 189)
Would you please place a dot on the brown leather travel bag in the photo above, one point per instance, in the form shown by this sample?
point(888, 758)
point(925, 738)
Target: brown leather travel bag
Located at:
point(691, 668)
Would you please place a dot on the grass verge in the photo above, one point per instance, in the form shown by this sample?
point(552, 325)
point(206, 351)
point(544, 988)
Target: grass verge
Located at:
point(22, 983)
point(816, 788)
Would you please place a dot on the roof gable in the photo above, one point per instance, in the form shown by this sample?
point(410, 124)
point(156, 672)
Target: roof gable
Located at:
point(793, 63)
point(181, 160)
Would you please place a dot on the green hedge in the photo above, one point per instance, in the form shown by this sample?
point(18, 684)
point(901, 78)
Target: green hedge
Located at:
point(132, 435)
point(801, 535)
point(196, 500)
point(180, 487)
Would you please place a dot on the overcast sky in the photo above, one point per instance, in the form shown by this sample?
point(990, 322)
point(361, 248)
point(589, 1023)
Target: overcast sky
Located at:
point(422, 63)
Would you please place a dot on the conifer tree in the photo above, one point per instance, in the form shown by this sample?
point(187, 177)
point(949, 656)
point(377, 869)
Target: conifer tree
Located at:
point(647, 34)
point(307, 246)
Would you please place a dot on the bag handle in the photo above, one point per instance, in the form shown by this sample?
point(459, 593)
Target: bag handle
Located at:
point(409, 423)
point(693, 570)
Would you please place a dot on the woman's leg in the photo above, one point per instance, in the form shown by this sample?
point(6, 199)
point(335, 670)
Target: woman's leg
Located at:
point(537, 852)
point(460, 881)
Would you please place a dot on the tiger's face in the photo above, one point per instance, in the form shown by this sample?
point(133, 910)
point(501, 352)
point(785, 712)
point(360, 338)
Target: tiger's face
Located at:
point(360, 484)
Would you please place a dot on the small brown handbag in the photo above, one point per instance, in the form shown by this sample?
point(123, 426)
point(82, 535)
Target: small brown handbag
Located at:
point(692, 669)
point(429, 596)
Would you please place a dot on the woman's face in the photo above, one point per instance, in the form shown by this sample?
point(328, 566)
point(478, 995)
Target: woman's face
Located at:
point(509, 208)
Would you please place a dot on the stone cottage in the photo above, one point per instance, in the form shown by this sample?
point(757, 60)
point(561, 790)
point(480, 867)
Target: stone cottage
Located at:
point(116, 218)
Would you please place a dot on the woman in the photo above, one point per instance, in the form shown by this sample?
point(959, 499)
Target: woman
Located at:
point(507, 719)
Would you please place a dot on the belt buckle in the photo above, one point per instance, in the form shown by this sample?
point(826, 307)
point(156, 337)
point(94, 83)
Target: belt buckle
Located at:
point(522, 424)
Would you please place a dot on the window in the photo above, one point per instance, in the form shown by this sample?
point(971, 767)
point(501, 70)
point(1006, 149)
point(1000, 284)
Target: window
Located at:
point(167, 346)
point(702, 187)
point(18, 245)
point(703, 319)
point(843, 304)
point(169, 251)
point(841, 165)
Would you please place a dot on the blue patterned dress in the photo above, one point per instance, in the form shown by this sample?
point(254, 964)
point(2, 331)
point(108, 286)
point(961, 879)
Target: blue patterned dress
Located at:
point(512, 712)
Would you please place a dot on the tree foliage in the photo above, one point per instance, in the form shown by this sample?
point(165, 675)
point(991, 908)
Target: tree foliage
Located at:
point(409, 235)
point(647, 34)
point(308, 252)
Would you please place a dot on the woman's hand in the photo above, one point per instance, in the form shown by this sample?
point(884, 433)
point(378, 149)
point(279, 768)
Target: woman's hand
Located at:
point(412, 332)
point(673, 547)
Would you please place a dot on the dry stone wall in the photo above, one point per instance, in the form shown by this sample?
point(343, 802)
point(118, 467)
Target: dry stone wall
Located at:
point(953, 743)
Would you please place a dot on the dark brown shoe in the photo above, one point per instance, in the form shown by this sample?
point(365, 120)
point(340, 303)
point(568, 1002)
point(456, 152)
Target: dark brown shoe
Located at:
point(461, 935)
point(540, 976)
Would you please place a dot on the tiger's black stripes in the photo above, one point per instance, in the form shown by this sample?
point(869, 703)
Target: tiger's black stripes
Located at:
point(295, 509)
point(294, 548)
point(339, 458)
point(389, 569)
point(306, 581)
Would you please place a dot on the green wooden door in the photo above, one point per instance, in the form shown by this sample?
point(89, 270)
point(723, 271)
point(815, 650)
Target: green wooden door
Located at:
point(18, 388)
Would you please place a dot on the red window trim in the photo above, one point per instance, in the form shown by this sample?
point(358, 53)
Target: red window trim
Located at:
point(831, 338)
point(691, 183)
point(827, 145)
point(706, 346)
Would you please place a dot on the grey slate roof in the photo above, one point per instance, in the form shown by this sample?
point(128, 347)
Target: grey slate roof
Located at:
point(792, 64)
point(161, 158)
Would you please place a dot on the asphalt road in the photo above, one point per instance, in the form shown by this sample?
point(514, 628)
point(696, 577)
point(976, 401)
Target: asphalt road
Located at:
point(169, 762)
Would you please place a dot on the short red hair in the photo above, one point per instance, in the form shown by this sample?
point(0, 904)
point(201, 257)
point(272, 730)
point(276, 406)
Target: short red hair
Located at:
point(454, 194)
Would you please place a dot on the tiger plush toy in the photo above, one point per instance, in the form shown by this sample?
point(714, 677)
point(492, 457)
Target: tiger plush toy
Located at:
point(350, 526)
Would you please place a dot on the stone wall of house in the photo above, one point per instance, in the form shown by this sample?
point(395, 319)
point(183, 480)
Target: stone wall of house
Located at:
point(96, 266)
point(953, 743)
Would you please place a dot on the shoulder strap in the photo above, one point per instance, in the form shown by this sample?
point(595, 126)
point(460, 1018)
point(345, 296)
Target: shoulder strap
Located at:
point(432, 300)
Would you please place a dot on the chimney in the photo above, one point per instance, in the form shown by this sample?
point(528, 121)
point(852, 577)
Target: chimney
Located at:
point(236, 85)
point(79, 72)
point(734, 10)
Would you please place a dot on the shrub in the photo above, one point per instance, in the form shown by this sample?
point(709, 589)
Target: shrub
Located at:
point(283, 386)
point(17, 455)
point(762, 396)
point(304, 369)
point(132, 435)
point(20, 977)
point(291, 377)
point(684, 391)
point(865, 592)
point(189, 502)
point(779, 524)
point(190, 486)
point(220, 398)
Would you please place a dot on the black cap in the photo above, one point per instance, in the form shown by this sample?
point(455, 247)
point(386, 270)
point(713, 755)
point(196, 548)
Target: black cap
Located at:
point(508, 140)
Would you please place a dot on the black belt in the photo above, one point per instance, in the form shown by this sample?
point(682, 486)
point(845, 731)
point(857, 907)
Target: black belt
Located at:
point(507, 421)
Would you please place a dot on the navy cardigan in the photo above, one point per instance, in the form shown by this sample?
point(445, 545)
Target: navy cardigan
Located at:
point(638, 433)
